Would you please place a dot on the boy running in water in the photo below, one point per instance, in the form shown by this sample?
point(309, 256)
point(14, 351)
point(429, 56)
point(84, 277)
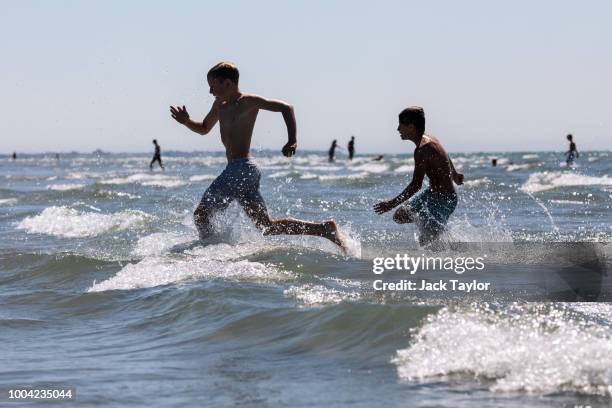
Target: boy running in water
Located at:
point(431, 207)
point(236, 112)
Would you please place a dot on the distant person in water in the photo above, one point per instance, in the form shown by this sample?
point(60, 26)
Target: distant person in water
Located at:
point(431, 207)
point(351, 148)
point(332, 150)
point(572, 153)
point(378, 158)
point(156, 156)
point(494, 162)
point(236, 112)
point(14, 155)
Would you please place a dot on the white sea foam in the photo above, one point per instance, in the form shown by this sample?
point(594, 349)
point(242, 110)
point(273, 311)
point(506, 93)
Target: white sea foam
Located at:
point(202, 177)
point(461, 230)
point(343, 176)
point(70, 223)
point(318, 295)
point(8, 201)
point(158, 271)
point(158, 180)
point(159, 243)
point(371, 168)
point(549, 180)
point(530, 157)
point(477, 182)
point(567, 202)
point(516, 167)
point(406, 168)
point(65, 187)
point(528, 349)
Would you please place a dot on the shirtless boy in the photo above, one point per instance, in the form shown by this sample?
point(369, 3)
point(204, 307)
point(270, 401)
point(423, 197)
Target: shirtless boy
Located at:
point(431, 207)
point(236, 112)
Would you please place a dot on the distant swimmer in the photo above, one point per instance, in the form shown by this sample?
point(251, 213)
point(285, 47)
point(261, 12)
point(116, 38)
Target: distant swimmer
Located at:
point(351, 148)
point(378, 158)
point(157, 156)
point(332, 150)
point(14, 155)
point(431, 207)
point(572, 153)
point(236, 112)
point(494, 162)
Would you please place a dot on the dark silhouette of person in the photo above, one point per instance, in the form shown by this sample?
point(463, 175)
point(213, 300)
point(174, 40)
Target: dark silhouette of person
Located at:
point(378, 158)
point(332, 150)
point(572, 153)
point(494, 162)
point(14, 155)
point(351, 148)
point(157, 156)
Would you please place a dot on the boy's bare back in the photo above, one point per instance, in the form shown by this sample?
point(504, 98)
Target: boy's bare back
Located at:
point(431, 155)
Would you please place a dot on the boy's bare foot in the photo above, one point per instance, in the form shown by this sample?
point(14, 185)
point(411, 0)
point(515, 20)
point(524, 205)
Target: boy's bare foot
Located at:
point(333, 233)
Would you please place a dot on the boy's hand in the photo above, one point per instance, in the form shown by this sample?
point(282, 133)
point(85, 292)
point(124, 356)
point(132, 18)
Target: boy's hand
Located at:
point(383, 206)
point(180, 115)
point(458, 178)
point(289, 149)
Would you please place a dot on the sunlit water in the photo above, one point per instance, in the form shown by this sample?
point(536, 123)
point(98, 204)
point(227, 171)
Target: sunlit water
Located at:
point(104, 288)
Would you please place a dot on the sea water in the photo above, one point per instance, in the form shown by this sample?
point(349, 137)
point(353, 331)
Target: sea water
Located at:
point(103, 286)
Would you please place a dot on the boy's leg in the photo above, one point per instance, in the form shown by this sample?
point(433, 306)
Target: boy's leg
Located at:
point(404, 215)
point(214, 199)
point(255, 208)
point(438, 210)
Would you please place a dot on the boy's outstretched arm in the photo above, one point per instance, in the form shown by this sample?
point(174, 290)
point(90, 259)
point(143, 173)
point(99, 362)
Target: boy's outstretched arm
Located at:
point(410, 190)
point(288, 115)
point(182, 116)
point(457, 177)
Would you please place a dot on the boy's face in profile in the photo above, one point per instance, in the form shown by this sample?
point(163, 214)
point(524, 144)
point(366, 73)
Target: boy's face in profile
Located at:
point(407, 132)
point(219, 87)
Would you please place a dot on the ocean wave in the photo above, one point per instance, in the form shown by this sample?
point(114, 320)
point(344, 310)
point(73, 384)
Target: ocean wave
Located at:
point(477, 182)
point(371, 168)
point(65, 187)
point(549, 180)
point(335, 177)
point(159, 271)
point(158, 180)
point(406, 168)
point(70, 223)
point(202, 177)
point(529, 349)
point(516, 167)
point(8, 201)
point(312, 295)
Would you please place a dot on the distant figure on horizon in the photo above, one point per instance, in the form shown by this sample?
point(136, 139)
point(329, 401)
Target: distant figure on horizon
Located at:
point(14, 155)
point(351, 148)
point(332, 150)
point(494, 162)
point(236, 112)
point(432, 207)
point(572, 153)
point(378, 158)
point(157, 156)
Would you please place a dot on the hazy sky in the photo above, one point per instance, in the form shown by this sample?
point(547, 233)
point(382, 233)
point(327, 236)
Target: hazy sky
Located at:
point(491, 75)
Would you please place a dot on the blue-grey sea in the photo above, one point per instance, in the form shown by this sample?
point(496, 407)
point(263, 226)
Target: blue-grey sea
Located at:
point(104, 287)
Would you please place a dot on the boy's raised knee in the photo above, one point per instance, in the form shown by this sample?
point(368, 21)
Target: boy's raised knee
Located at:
point(403, 216)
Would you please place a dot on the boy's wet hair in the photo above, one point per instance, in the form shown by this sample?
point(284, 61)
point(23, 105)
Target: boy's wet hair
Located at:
point(413, 115)
point(569, 137)
point(224, 70)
